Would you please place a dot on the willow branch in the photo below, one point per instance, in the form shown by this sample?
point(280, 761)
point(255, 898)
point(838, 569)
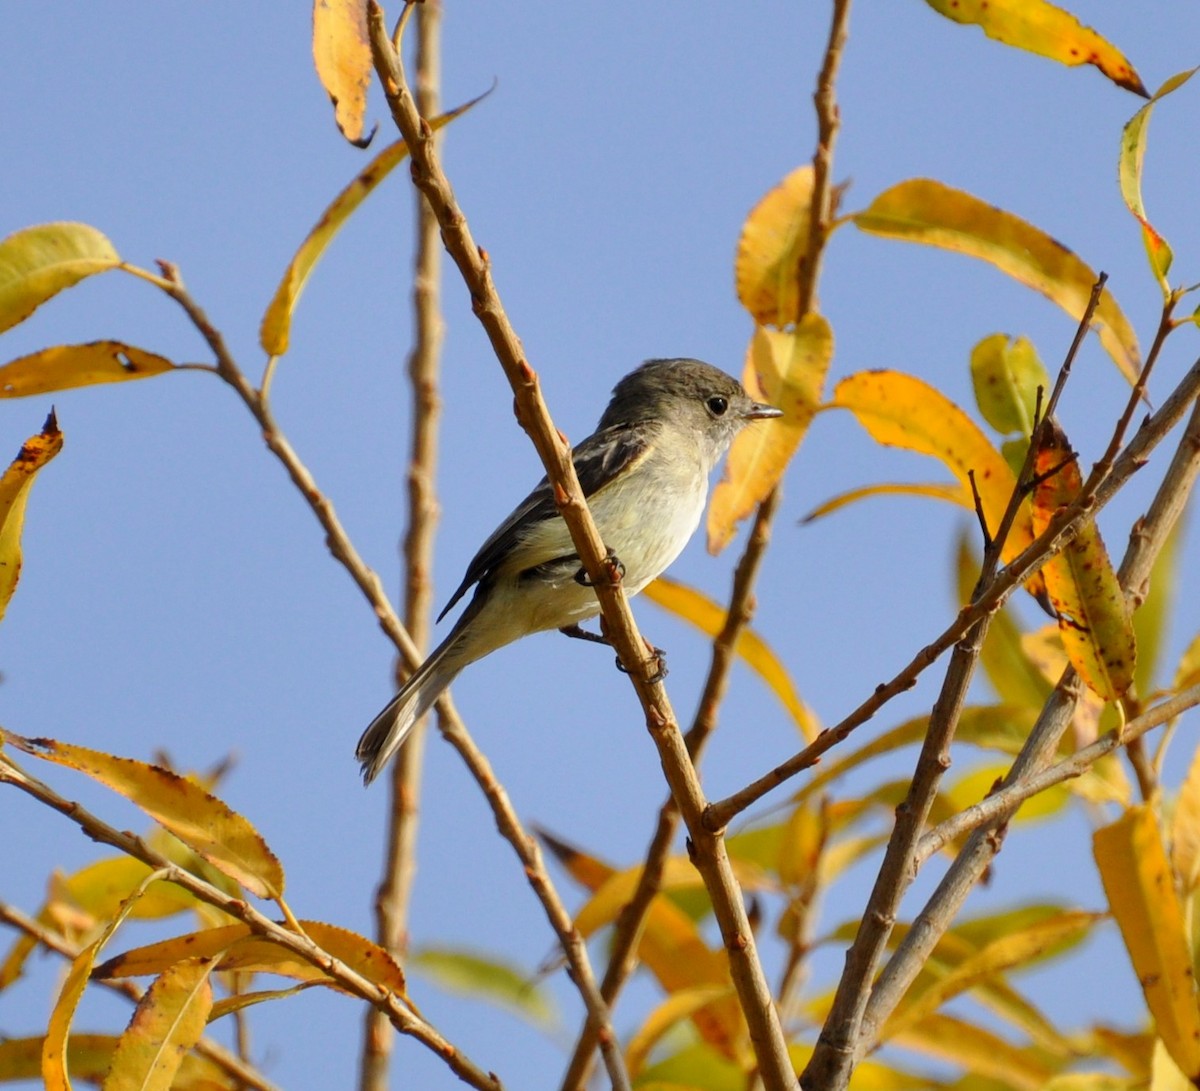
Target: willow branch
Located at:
point(555, 454)
point(399, 869)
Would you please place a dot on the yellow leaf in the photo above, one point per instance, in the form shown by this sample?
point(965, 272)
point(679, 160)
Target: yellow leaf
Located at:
point(88, 1057)
point(1093, 616)
point(239, 948)
point(1039, 27)
point(66, 366)
point(951, 494)
point(707, 616)
point(275, 331)
point(1006, 374)
point(100, 887)
point(900, 410)
point(787, 370)
point(342, 54)
point(168, 1021)
point(1022, 947)
point(1129, 173)
point(981, 1052)
point(1185, 830)
point(772, 245)
point(1141, 893)
point(925, 211)
point(680, 1005)
point(1187, 671)
point(14, 494)
point(201, 821)
point(37, 263)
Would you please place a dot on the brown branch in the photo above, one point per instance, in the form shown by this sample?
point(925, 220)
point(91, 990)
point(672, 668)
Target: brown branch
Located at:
point(1002, 804)
point(393, 1006)
point(709, 851)
point(245, 1074)
point(630, 923)
point(399, 870)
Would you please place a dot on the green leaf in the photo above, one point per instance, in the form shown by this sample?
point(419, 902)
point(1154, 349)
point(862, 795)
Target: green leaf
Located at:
point(1007, 374)
point(37, 263)
point(487, 978)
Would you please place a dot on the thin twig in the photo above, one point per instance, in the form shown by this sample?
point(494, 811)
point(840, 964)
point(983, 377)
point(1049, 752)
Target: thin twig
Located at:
point(244, 1073)
point(399, 1014)
point(711, 859)
point(399, 869)
point(1003, 803)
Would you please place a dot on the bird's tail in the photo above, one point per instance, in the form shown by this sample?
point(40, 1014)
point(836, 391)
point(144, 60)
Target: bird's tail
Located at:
point(387, 732)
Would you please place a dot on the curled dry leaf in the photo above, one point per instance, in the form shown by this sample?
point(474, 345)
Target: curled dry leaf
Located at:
point(787, 369)
point(38, 262)
point(204, 823)
point(64, 367)
point(1093, 616)
point(1129, 174)
point(926, 211)
point(342, 55)
point(14, 495)
point(1042, 28)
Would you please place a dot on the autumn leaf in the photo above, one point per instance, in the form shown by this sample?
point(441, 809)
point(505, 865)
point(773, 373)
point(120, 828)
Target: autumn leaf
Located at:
point(201, 821)
point(926, 211)
point(950, 494)
point(14, 495)
point(37, 263)
point(1093, 616)
point(168, 1021)
point(469, 973)
point(64, 367)
point(1039, 27)
point(1129, 174)
point(275, 330)
point(1007, 374)
point(342, 55)
point(786, 370)
point(772, 245)
point(1141, 893)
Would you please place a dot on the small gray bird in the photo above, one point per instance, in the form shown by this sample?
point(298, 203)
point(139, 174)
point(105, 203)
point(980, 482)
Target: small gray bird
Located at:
point(645, 474)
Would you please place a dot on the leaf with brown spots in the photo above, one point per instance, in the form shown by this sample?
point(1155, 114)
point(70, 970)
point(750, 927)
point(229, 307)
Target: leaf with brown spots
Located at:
point(342, 55)
point(928, 212)
point(14, 495)
point(1039, 27)
point(900, 410)
point(36, 263)
point(1129, 174)
point(1093, 617)
point(275, 330)
point(1141, 894)
point(201, 821)
point(785, 369)
point(64, 367)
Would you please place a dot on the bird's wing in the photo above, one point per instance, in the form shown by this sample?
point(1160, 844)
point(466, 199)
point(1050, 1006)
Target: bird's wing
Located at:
point(598, 459)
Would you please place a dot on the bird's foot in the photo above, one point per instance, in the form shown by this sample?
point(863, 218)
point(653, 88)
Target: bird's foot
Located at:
point(615, 571)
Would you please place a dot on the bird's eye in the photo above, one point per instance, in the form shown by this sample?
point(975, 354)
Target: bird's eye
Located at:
point(717, 405)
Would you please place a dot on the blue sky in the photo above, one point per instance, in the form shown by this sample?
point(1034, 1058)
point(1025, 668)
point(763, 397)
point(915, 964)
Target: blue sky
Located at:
point(177, 593)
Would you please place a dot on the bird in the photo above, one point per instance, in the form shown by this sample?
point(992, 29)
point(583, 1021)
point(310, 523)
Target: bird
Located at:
point(644, 473)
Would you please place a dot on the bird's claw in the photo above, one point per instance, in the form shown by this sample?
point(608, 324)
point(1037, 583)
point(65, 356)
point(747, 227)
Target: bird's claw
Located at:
point(660, 670)
point(616, 571)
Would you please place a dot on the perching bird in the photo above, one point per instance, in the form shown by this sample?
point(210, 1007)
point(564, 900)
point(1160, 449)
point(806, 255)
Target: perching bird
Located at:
point(644, 472)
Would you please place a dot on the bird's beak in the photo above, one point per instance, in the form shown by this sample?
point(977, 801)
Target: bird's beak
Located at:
point(759, 411)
